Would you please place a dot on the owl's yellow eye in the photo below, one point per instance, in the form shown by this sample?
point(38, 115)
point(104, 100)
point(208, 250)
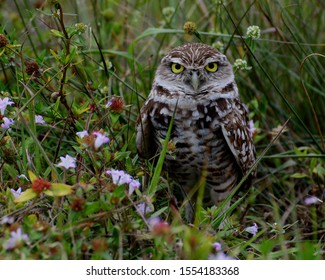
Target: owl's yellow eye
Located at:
point(177, 68)
point(212, 67)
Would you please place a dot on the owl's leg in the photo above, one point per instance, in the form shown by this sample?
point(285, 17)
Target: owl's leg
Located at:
point(190, 211)
point(219, 192)
point(189, 203)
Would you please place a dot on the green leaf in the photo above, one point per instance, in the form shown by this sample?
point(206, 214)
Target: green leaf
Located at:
point(92, 208)
point(54, 55)
point(11, 170)
point(70, 56)
point(58, 189)
point(114, 117)
point(26, 195)
point(299, 175)
point(319, 170)
point(31, 176)
point(160, 211)
point(57, 33)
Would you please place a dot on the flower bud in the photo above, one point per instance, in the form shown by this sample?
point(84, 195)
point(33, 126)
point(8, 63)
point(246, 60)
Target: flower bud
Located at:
point(3, 41)
point(190, 27)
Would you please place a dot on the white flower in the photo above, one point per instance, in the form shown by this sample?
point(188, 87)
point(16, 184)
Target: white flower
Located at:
point(4, 103)
point(100, 139)
point(82, 134)
point(218, 45)
point(108, 63)
point(16, 193)
point(253, 32)
point(39, 119)
point(253, 229)
point(22, 176)
point(241, 64)
point(15, 239)
point(143, 208)
point(67, 162)
point(168, 12)
point(309, 200)
point(7, 123)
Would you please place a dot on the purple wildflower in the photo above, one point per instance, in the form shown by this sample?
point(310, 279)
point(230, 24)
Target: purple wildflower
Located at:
point(143, 208)
point(16, 193)
point(253, 229)
point(82, 134)
point(4, 103)
point(39, 119)
point(309, 200)
point(7, 123)
point(16, 238)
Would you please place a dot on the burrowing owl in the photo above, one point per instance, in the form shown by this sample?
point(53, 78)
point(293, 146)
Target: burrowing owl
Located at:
point(195, 84)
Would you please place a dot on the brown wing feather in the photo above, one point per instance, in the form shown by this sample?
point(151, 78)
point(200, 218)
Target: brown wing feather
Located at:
point(235, 128)
point(145, 138)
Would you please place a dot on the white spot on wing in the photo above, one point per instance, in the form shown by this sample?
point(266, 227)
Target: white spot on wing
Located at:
point(195, 114)
point(164, 111)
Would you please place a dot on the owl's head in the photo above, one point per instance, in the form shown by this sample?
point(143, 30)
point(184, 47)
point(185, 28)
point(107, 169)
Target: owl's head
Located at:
point(194, 69)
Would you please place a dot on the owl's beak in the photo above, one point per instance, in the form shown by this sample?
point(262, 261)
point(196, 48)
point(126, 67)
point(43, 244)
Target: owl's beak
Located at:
point(195, 81)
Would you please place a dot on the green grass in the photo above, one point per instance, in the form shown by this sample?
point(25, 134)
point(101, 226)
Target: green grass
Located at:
point(115, 55)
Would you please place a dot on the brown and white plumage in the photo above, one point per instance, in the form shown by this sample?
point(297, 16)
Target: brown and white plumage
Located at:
point(196, 84)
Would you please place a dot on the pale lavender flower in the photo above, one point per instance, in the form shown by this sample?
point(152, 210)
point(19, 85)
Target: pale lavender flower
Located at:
point(309, 200)
point(119, 177)
point(109, 104)
point(133, 185)
point(16, 193)
point(100, 139)
point(16, 237)
point(251, 127)
point(153, 221)
point(158, 225)
point(39, 119)
point(7, 123)
point(7, 220)
point(67, 162)
point(144, 209)
point(82, 134)
point(253, 229)
point(220, 256)
point(217, 246)
point(4, 103)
